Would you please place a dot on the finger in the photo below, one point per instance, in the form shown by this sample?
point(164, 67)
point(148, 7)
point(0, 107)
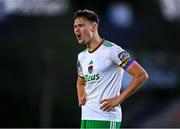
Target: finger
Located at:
point(83, 98)
point(83, 101)
point(107, 108)
point(104, 105)
point(102, 101)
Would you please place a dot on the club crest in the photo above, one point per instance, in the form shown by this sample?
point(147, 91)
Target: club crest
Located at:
point(90, 67)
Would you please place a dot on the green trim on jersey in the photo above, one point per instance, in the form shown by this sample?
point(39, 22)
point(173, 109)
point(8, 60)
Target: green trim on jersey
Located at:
point(85, 50)
point(86, 124)
point(108, 43)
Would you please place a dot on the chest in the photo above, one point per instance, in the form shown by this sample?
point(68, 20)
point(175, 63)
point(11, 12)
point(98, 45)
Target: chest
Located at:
point(96, 63)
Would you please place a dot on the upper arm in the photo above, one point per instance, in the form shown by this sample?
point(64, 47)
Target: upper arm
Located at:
point(80, 80)
point(135, 69)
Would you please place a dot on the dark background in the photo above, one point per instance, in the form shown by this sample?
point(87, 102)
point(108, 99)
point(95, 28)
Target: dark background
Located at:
point(38, 53)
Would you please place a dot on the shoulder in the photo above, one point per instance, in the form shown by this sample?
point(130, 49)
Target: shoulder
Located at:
point(111, 46)
point(108, 44)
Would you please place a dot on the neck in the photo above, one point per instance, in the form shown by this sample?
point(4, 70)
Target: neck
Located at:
point(94, 43)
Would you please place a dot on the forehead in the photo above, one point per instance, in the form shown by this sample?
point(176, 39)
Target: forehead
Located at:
point(80, 20)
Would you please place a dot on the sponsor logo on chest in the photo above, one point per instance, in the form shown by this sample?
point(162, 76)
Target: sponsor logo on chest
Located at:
point(90, 77)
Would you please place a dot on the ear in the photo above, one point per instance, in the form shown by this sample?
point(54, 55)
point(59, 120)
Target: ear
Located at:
point(94, 27)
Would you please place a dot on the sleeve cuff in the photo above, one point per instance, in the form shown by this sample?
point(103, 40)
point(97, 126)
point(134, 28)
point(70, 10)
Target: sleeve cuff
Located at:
point(80, 76)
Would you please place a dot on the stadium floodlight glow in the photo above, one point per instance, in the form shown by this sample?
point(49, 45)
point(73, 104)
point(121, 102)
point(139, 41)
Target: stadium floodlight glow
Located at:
point(36, 7)
point(120, 14)
point(170, 9)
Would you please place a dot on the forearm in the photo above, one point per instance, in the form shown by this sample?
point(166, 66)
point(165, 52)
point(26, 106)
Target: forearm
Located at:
point(135, 84)
point(80, 91)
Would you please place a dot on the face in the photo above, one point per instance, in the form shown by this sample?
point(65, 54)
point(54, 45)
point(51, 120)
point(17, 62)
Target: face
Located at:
point(83, 30)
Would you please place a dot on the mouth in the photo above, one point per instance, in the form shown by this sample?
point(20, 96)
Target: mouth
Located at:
point(78, 36)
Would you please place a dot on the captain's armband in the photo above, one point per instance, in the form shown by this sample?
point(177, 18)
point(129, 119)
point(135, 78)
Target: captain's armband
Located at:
point(126, 63)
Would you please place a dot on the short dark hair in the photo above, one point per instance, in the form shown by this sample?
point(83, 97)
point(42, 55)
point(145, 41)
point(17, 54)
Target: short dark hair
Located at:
point(90, 15)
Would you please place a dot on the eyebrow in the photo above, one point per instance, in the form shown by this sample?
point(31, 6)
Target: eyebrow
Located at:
point(79, 24)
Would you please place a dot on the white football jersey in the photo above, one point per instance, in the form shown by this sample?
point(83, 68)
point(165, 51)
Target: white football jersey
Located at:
point(103, 79)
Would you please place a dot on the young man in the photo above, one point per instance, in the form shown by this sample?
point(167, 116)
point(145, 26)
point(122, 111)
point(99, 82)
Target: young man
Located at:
point(100, 72)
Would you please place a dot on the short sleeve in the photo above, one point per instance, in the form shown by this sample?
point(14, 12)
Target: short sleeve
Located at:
point(120, 57)
point(79, 69)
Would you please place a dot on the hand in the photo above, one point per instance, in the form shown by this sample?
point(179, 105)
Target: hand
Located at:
point(82, 100)
point(108, 104)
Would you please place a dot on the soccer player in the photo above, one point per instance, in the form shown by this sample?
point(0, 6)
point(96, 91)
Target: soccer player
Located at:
point(100, 71)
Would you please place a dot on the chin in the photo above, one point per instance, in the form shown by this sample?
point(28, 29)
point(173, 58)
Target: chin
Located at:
point(81, 42)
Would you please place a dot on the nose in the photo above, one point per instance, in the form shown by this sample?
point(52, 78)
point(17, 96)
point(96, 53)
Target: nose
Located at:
point(76, 29)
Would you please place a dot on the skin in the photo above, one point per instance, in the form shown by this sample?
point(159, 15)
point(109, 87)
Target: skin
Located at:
point(139, 76)
point(87, 33)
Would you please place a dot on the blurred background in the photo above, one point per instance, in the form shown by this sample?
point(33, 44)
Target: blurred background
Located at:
point(38, 52)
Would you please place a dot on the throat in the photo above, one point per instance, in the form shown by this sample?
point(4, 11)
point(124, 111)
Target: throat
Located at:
point(93, 46)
